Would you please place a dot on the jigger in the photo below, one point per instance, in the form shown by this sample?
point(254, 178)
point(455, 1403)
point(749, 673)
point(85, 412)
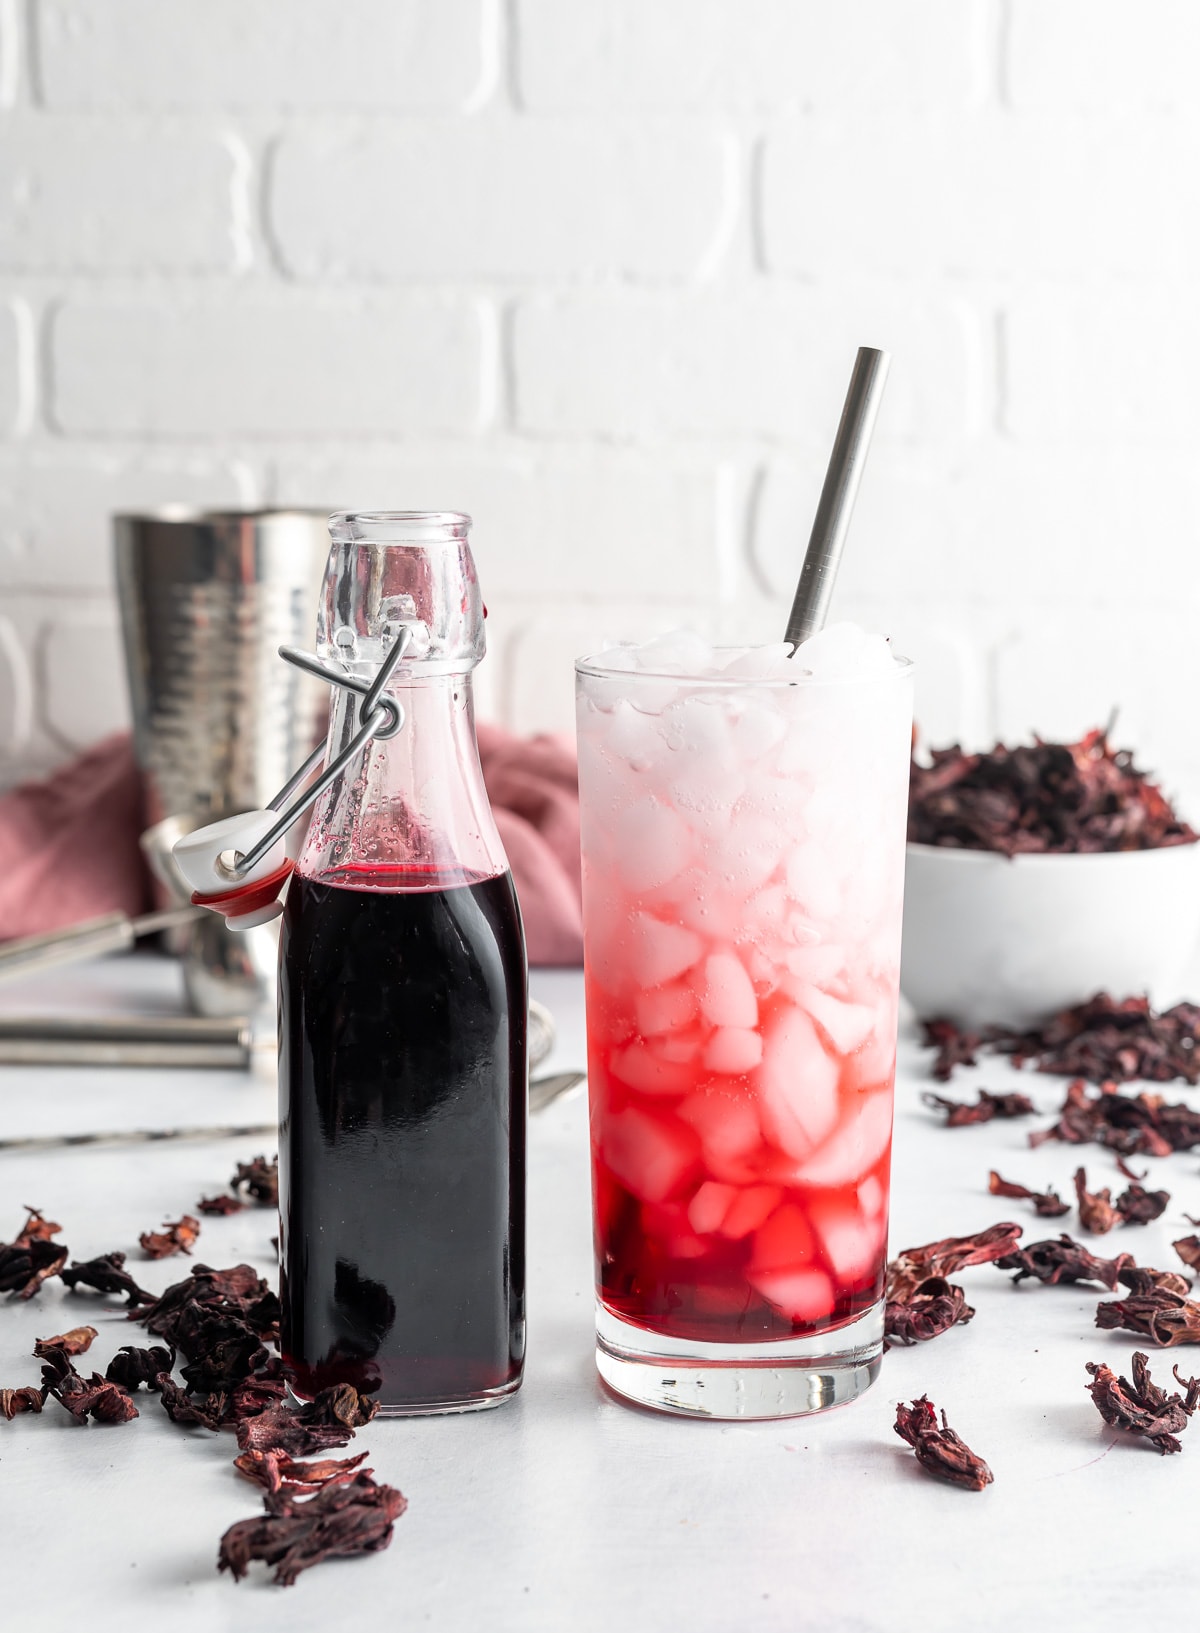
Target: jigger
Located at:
point(207, 598)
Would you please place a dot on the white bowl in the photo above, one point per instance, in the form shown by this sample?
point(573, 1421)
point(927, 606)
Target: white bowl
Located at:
point(989, 939)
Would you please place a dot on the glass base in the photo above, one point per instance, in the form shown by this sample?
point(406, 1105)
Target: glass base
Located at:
point(779, 1380)
point(430, 1409)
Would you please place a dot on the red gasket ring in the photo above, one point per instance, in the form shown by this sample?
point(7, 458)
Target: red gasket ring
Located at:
point(247, 898)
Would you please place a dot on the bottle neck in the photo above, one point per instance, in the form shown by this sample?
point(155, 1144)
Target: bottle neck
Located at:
point(412, 813)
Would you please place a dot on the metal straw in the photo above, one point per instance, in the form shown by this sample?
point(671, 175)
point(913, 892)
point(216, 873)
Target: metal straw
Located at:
point(832, 521)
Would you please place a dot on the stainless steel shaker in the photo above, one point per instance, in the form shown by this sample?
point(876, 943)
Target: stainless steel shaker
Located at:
point(219, 723)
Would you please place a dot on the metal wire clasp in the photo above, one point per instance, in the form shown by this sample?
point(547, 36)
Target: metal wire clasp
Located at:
point(379, 717)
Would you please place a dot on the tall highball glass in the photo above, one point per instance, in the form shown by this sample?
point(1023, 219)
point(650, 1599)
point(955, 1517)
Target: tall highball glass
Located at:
point(743, 860)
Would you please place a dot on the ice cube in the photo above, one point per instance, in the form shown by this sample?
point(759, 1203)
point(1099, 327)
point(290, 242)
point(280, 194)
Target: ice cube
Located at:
point(700, 899)
point(727, 992)
point(797, 1086)
point(635, 737)
point(821, 966)
point(801, 1295)
point(665, 1010)
point(766, 914)
point(727, 1124)
point(782, 802)
point(668, 1224)
point(660, 952)
point(857, 1145)
point(758, 726)
point(844, 651)
point(651, 844)
point(678, 652)
point(749, 855)
point(604, 693)
point(874, 1067)
point(847, 1026)
point(763, 972)
point(677, 1046)
point(761, 662)
point(705, 793)
point(853, 1244)
point(652, 1156)
point(635, 1066)
point(700, 725)
point(785, 1241)
point(709, 1206)
point(733, 1050)
point(813, 882)
point(872, 1198)
point(751, 1207)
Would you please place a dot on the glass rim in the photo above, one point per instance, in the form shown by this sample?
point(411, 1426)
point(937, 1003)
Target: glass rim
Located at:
point(593, 669)
point(398, 526)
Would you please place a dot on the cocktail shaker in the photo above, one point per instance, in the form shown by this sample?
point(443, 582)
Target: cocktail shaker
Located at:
point(206, 599)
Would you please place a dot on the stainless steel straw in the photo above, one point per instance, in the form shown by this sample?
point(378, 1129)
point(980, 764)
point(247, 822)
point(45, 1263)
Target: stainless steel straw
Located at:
point(832, 521)
point(125, 1040)
point(111, 933)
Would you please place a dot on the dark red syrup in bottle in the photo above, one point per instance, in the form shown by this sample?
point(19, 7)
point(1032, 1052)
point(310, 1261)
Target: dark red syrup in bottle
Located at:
point(402, 1135)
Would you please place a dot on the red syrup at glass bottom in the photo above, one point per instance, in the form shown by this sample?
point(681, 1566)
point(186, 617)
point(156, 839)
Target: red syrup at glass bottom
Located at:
point(402, 1135)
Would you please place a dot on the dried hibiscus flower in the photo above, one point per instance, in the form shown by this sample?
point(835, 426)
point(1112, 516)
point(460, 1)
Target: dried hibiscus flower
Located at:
point(32, 1257)
point(914, 1265)
point(131, 1367)
point(960, 1113)
point(94, 1397)
point(76, 1342)
point(179, 1237)
point(1047, 1204)
point(1125, 1123)
point(265, 1387)
point(1096, 1212)
point(276, 1471)
point(218, 1320)
point(220, 1204)
point(1164, 1317)
point(940, 1451)
point(259, 1179)
point(1188, 1249)
point(1141, 1406)
point(29, 1398)
point(1059, 797)
point(339, 1521)
point(1138, 1207)
point(954, 1046)
point(328, 1420)
point(106, 1274)
point(1061, 1259)
point(183, 1408)
point(1142, 1279)
point(930, 1309)
point(37, 1228)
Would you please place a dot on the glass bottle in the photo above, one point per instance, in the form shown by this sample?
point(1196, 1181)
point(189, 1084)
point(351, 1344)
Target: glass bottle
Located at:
point(403, 1004)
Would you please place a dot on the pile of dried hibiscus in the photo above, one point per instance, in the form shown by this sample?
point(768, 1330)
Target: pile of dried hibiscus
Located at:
point(1083, 796)
point(1102, 1040)
point(223, 1325)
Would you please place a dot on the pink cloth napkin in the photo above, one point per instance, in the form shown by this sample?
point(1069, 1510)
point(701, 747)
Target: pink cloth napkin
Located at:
point(533, 784)
point(69, 845)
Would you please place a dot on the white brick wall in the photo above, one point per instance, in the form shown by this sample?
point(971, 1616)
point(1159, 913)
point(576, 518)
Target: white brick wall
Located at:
point(595, 270)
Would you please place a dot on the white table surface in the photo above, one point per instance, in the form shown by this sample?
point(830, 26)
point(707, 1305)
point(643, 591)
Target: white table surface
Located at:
point(565, 1509)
